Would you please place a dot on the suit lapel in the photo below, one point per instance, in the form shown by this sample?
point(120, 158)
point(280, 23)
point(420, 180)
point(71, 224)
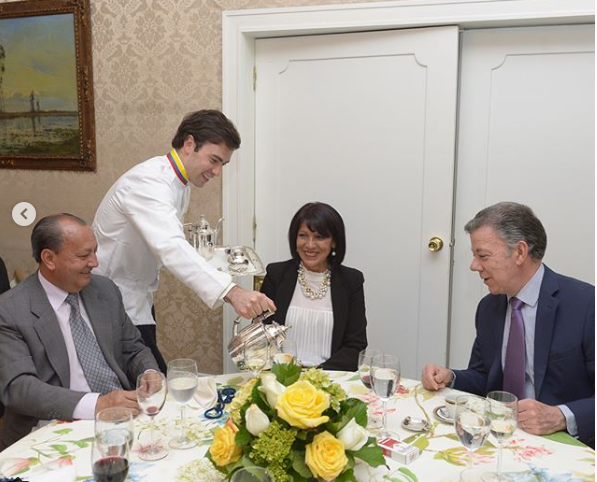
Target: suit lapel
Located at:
point(340, 304)
point(497, 323)
point(48, 329)
point(285, 291)
point(544, 325)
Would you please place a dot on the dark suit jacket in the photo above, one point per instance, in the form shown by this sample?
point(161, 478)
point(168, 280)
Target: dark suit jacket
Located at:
point(4, 282)
point(34, 369)
point(564, 349)
point(349, 335)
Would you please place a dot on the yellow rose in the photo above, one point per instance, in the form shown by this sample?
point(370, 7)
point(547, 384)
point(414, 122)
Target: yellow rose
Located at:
point(325, 456)
point(301, 405)
point(223, 450)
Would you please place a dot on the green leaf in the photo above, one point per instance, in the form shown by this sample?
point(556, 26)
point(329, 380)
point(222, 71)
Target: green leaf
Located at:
point(286, 373)
point(243, 437)
point(372, 455)
point(349, 409)
point(299, 465)
point(347, 476)
point(409, 474)
point(63, 431)
point(83, 443)
point(60, 448)
point(564, 438)
point(422, 442)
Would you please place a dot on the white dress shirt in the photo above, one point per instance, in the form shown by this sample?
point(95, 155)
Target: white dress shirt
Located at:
point(139, 229)
point(85, 409)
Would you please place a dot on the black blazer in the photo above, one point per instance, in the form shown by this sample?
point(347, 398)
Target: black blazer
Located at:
point(349, 335)
point(4, 282)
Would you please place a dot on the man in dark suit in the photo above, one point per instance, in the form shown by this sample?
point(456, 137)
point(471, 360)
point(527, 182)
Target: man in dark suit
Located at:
point(48, 318)
point(534, 319)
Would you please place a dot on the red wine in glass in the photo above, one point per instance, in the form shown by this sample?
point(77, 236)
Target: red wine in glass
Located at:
point(110, 469)
point(366, 379)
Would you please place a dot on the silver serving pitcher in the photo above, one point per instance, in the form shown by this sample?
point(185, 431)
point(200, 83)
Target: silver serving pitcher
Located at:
point(203, 238)
point(250, 334)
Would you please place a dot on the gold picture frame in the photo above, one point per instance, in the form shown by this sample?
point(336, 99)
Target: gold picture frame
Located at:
point(47, 118)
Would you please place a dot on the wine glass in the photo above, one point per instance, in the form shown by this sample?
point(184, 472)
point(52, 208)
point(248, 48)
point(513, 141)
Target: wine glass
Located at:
point(385, 377)
point(110, 457)
point(151, 395)
point(364, 364)
point(502, 409)
point(182, 383)
point(287, 353)
point(251, 474)
point(471, 423)
point(112, 421)
point(256, 356)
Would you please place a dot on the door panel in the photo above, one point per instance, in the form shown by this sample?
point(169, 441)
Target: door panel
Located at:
point(526, 134)
point(366, 123)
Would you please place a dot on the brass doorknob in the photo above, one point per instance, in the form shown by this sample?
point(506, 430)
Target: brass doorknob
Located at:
point(435, 244)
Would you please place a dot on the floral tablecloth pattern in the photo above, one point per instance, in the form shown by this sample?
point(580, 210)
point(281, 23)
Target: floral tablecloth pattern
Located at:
point(557, 458)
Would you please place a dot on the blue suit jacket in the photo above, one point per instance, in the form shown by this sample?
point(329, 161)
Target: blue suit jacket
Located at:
point(564, 349)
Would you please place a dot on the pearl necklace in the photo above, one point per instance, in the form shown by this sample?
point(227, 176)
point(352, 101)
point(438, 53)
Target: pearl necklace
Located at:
point(306, 289)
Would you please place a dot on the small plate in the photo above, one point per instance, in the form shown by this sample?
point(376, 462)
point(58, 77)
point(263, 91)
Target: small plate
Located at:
point(416, 424)
point(442, 414)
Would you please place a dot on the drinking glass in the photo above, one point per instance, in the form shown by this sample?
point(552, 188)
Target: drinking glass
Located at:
point(385, 377)
point(112, 421)
point(287, 353)
point(256, 356)
point(471, 423)
point(251, 474)
point(182, 383)
point(364, 364)
point(110, 461)
point(502, 409)
point(151, 395)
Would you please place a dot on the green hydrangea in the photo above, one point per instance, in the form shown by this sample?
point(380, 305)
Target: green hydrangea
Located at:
point(272, 448)
point(321, 380)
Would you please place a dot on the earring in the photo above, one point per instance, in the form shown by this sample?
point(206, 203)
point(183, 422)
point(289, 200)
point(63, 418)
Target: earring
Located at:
point(333, 253)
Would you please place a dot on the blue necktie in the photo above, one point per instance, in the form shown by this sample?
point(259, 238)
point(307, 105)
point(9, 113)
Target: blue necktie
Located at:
point(100, 377)
point(514, 364)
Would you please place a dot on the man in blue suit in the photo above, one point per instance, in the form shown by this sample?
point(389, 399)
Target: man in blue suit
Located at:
point(555, 348)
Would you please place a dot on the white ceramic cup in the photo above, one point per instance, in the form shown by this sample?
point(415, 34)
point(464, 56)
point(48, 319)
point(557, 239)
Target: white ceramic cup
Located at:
point(450, 402)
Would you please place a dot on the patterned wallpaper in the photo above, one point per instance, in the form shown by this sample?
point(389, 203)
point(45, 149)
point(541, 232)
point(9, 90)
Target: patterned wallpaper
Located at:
point(153, 61)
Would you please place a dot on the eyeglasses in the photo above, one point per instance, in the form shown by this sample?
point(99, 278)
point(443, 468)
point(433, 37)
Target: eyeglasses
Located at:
point(225, 396)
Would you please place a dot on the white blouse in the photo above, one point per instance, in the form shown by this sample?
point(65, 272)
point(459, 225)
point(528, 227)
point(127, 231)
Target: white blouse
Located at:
point(312, 322)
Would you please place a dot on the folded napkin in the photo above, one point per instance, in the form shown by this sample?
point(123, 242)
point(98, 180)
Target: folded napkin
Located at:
point(63, 474)
point(206, 395)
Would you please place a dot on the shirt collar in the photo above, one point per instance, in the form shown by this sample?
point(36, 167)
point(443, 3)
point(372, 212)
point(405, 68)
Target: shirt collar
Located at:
point(178, 166)
point(529, 294)
point(56, 296)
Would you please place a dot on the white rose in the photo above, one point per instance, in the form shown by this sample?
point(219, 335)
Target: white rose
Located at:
point(256, 420)
point(271, 387)
point(353, 436)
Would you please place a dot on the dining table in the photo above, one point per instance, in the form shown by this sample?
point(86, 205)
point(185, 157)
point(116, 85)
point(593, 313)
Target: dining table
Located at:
point(526, 458)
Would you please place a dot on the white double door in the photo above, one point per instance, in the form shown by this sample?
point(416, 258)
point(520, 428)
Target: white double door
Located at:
point(367, 123)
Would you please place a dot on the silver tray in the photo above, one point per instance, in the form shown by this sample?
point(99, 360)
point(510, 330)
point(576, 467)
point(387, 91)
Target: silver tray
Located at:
point(220, 262)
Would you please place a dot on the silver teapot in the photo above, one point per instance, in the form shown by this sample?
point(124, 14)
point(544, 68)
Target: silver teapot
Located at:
point(253, 333)
point(203, 238)
point(238, 262)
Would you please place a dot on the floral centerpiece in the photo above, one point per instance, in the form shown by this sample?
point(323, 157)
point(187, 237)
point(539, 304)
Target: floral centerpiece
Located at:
point(299, 425)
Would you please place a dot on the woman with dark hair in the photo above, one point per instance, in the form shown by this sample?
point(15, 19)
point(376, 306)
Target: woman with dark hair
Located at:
point(321, 299)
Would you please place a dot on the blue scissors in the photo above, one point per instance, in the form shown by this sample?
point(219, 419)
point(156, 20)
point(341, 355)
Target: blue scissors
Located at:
point(225, 396)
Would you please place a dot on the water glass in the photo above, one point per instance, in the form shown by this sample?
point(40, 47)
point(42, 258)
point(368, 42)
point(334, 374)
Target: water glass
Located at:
point(110, 423)
point(251, 474)
point(502, 410)
point(385, 378)
point(257, 356)
point(471, 423)
point(182, 384)
point(287, 353)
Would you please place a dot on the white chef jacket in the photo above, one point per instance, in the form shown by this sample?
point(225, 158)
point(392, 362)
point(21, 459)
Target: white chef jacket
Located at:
point(138, 227)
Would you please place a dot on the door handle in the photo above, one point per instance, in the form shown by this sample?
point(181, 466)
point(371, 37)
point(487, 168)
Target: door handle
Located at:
point(435, 244)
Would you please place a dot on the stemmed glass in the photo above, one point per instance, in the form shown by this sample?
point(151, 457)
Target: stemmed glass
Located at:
point(502, 409)
point(385, 377)
point(251, 474)
point(151, 395)
point(287, 353)
point(256, 356)
point(110, 459)
point(182, 383)
point(364, 364)
point(471, 423)
point(112, 423)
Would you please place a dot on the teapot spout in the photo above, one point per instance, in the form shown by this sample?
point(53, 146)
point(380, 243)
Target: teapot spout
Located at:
point(217, 231)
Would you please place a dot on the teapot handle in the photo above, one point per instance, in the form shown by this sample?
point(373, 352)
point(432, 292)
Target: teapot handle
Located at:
point(259, 318)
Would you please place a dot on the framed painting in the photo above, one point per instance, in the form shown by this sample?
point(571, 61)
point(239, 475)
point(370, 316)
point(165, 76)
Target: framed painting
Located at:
point(46, 86)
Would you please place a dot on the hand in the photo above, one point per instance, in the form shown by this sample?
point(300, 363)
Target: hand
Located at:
point(118, 398)
point(539, 419)
point(151, 382)
point(249, 304)
point(435, 377)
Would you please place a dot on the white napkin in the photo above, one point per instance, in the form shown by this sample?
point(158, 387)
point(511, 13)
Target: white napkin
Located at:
point(63, 474)
point(206, 395)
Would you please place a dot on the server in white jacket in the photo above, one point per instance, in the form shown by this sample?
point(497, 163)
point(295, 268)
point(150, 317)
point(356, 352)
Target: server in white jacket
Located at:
point(139, 226)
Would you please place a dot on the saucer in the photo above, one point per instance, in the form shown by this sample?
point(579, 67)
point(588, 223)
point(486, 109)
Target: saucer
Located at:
point(442, 414)
point(416, 424)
